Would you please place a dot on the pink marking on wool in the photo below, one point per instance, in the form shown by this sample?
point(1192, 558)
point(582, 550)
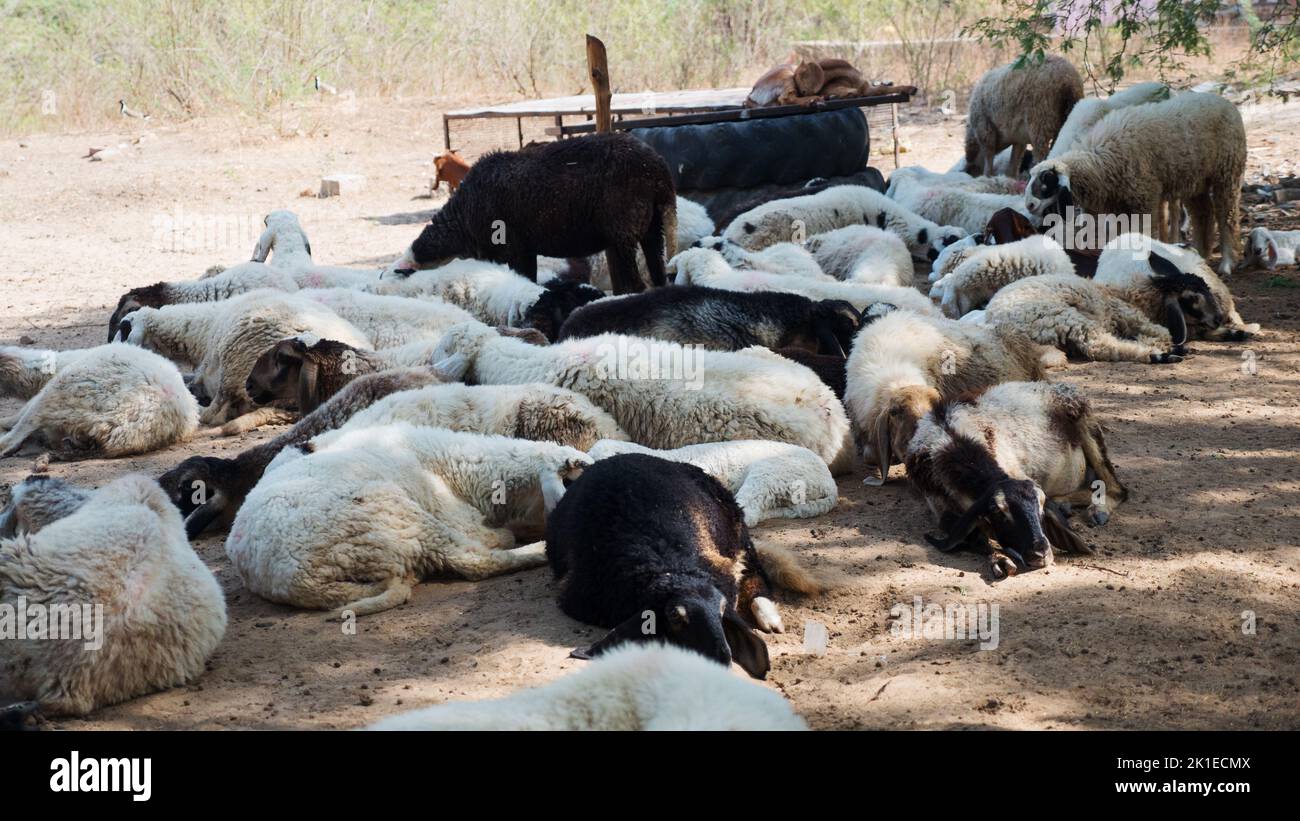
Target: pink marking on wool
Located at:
point(1020, 186)
point(315, 279)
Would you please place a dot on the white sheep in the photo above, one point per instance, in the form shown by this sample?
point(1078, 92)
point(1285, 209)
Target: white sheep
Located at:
point(1018, 106)
point(915, 175)
point(952, 256)
point(290, 251)
point(109, 401)
point(972, 283)
point(797, 218)
point(969, 210)
point(1090, 110)
point(232, 281)
point(225, 339)
point(701, 266)
point(662, 394)
point(353, 525)
point(781, 258)
point(1001, 166)
point(24, 371)
point(862, 253)
point(769, 479)
point(1270, 249)
point(123, 550)
point(388, 321)
point(634, 687)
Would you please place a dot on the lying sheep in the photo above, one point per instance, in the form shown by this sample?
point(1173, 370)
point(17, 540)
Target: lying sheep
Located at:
point(799, 217)
point(829, 368)
point(782, 258)
point(982, 274)
point(703, 267)
point(903, 364)
point(495, 295)
point(921, 179)
point(1129, 264)
point(1089, 111)
point(110, 401)
point(225, 339)
point(365, 515)
point(163, 613)
point(239, 279)
point(290, 251)
point(649, 687)
point(1087, 320)
point(24, 371)
point(769, 480)
point(390, 321)
point(1018, 106)
point(653, 549)
point(1008, 465)
point(1270, 249)
point(572, 198)
point(952, 256)
point(968, 210)
point(662, 394)
point(1139, 157)
point(209, 490)
point(862, 253)
point(721, 320)
point(1001, 165)
point(36, 502)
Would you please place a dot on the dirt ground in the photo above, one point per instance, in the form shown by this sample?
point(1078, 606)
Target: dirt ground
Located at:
point(1148, 633)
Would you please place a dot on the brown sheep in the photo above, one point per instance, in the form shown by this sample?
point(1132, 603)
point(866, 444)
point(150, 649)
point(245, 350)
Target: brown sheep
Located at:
point(1016, 107)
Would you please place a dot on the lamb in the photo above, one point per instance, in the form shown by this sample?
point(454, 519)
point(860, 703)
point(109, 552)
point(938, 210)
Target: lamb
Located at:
point(1088, 320)
point(703, 267)
point(209, 490)
point(1270, 249)
point(782, 258)
point(721, 320)
point(952, 256)
point(1089, 111)
point(903, 364)
point(239, 279)
point(351, 526)
point(862, 253)
point(1018, 106)
point(163, 613)
point(1190, 148)
point(799, 217)
point(982, 274)
point(650, 687)
point(24, 371)
point(653, 549)
point(655, 390)
point(390, 321)
point(111, 401)
point(1124, 268)
point(290, 251)
point(769, 480)
point(496, 295)
point(1009, 464)
point(226, 338)
point(572, 198)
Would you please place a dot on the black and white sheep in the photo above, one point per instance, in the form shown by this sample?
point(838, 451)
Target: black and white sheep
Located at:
point(785, 258)
point(572, 198)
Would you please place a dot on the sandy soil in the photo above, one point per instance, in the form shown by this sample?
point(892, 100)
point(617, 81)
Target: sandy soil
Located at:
point(1146, 633)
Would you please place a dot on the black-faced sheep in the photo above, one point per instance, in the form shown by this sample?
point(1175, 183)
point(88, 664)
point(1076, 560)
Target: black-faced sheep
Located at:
point(1009, 465)
point(572, 198)
point(656, 550)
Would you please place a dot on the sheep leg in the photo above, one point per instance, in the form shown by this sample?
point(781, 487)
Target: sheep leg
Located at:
point(652, 246)
point(396, 593)
point(1202, 216)
point(1226, 210)
point(256, 418)
point(10, 422)
point(1017, 157)
point(475, 563)
point(623, 272)
point(1102, 346)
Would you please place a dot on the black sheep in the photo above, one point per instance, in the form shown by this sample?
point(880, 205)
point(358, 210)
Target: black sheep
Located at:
point(572, 198)
point(722, 320)
point(658, 550)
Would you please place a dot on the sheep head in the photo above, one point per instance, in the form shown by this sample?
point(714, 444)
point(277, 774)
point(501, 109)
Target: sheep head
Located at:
point(896, 421)
point(201, 488)
point(1261, 249)
point(150, 296)
point(1186, 297)
point(37, 501)
point(290, 373)
point(1049, 189)
point(454, 357)
point(836, 322)
point(559, 299)
point(279, 224)
point(1011, 512)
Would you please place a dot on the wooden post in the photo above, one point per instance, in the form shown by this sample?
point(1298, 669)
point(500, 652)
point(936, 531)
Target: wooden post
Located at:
point(598, 66)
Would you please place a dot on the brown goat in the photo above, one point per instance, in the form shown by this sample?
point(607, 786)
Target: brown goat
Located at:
point(449, 168)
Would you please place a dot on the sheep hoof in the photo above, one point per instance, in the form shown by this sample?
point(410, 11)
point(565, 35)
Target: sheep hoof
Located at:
point(1001, 565)
point(1098, 516)
point(1165, 358)
point(873, 481)
point(766, 615)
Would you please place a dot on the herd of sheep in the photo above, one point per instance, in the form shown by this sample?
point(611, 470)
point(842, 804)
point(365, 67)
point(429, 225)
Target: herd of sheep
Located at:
point(485, 404)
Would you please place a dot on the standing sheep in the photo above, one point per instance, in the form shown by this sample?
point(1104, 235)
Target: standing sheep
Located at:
point(572, 198)
point(1090, 111)
point(163, 612)
point(1019, 106)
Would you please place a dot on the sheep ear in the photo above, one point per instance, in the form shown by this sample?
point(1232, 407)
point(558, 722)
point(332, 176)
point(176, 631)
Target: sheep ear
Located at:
point(8, 525)
point(829, 344)
point(884, 437)
point(628, 631)
point(1174, 320)
point(1058, 532)
point(198, 521)
point(747, 649)
point(263, 248)
point(453, 368)
point(308, 397)
point(1163, 267)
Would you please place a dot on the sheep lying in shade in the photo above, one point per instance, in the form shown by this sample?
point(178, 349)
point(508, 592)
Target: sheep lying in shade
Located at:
point(800, 217)
point(389, 321)
point(653, 549)
point(209, 490)
point(24, 371)
point(662, 394)
point(721, 320)
point(36, 502)
point(1269, 249)
point(921, 179)
point(988, 467)
point(163, 612)
point(862, 253)
point(652, 687)
point(701, 266)
point(903, 364)
point(287, 245)
point(225, 339)
point(982, 274)
point(785, 258)
point(770, 480)
point(494, 294)
point(367, 514)
point(239, 279)
point(968, 210)
point(110, 401)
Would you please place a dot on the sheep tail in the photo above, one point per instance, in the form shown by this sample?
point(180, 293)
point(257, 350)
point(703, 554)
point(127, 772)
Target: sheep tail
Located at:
point(786, 572)
point(668, 224)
